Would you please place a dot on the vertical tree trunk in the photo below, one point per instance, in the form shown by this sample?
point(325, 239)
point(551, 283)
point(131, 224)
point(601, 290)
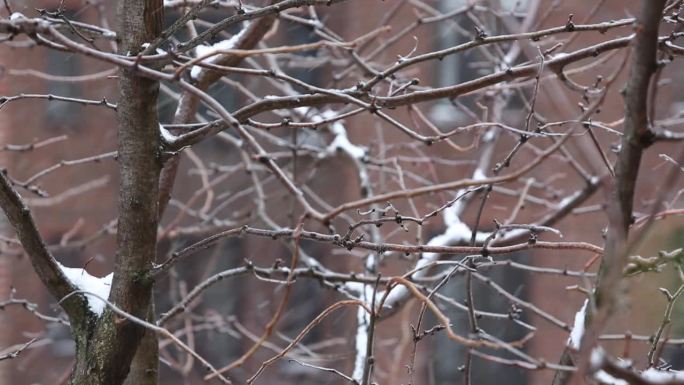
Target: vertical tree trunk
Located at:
point(635, 139)
point(139, 22)
point(145, 366)
point(105, 352)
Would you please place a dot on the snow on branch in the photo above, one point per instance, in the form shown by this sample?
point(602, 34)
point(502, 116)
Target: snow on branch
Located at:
point(90, 284)
point(209, 53)
point(609, 371)
point(578, 328)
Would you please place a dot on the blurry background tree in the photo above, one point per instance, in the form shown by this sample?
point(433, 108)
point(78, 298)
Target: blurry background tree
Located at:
point(341, 191)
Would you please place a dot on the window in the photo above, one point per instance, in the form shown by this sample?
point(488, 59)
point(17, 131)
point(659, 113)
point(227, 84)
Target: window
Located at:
point(468, 65)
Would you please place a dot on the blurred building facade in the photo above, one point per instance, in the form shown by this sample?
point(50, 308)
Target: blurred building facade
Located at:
point(92, 130)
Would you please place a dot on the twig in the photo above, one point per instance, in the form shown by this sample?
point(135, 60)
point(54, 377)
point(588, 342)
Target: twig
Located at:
point(667, 318)
point(15, 351)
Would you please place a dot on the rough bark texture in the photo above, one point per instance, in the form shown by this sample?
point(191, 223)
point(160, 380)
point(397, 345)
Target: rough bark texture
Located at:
point(145, 366)
point(105, 353)
point(139, 22)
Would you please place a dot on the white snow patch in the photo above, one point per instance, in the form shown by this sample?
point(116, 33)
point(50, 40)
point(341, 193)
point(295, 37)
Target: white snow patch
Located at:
point(489, 135)
point(167, 135)
point(597, 357)
point(86, 282)
point(159, 50)
point(363, 320)
point(607, 379)
point(656, 376)
point(17, 16)
point(456, 232)
point(343, 90)
point(204, 50)
point(341, 141)
point(355, 288)
point(578, 328)
point(597, 360)
point(302, 110)
point(479, 174)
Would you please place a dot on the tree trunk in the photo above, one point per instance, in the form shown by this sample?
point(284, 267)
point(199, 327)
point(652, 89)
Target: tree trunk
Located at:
point(106, 346)
point(145, 365)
